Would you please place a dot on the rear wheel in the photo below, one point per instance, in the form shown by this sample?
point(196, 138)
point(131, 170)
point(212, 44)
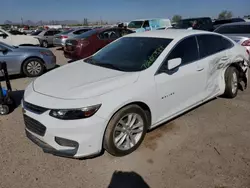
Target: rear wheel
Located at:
point(232, 82)
point(126, 131)
point(33, 67)
point(4, 109)
point(45, 44)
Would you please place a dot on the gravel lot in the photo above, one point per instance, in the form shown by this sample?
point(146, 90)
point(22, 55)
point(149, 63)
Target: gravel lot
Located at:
point(207, 147)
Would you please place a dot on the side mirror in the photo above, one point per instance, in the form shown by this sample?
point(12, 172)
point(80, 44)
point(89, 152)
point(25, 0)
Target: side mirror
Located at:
point(173, 63)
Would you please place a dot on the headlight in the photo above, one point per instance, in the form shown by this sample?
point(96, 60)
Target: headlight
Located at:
point(72, 114)
point(47, 53)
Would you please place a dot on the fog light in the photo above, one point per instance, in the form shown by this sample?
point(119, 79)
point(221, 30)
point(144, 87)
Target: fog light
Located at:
point(66, 142)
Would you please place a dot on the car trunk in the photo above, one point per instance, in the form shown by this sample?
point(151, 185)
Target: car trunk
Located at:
point(71, 45)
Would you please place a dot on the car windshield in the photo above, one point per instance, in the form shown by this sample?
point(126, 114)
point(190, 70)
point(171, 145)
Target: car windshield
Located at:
point(130, 54)
point(86, 34)
point(135, 24)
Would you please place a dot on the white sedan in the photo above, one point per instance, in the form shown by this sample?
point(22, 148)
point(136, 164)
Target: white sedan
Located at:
point(18, 40)
point(112, 98)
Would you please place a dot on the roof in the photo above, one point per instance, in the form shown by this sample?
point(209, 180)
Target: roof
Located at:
point(169, 33)
point(143, 19)
point(236, 23)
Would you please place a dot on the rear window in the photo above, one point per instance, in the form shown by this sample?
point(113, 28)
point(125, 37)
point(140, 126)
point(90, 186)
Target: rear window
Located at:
point(66, 32)
point(233, 29)
point(80, 31)
point(86, 34)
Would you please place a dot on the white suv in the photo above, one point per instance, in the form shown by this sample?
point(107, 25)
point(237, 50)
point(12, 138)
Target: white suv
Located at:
point(111, 99)
point(17, 40)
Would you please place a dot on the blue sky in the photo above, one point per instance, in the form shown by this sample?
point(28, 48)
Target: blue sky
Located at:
point(116, 9)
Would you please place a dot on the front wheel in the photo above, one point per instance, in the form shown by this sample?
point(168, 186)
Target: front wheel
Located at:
point(126, 131)
point(33, 67)
point(45, 44)
point(232, 82)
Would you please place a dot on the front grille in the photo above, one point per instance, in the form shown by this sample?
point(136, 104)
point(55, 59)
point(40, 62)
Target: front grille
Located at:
point(34, 126)
point(34, 108)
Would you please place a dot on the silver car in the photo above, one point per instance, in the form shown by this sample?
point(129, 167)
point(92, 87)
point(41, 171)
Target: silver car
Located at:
point(46, 37)
point(239, 32)
point(31, 61)
point(59, 39)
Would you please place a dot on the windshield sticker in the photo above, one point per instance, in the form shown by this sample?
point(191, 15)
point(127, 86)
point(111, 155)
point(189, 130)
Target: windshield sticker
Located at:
point(151, 59)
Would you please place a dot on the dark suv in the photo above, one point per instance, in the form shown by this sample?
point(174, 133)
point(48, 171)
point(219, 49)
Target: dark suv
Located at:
point(218, 23)
point(202, 23)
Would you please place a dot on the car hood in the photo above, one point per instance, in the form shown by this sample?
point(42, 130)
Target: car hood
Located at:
point(80, 80)
point(23, 39)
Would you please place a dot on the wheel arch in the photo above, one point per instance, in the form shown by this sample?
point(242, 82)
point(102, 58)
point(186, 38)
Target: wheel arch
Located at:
point(141, 104)
point(31, 57)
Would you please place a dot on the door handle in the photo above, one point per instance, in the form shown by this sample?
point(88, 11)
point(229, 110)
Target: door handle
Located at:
point(200, 69)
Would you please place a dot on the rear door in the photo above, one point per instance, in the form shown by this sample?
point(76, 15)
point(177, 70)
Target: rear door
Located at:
point(215, 52)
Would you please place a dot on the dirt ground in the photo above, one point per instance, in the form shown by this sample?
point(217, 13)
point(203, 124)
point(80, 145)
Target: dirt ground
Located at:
point(208, 147)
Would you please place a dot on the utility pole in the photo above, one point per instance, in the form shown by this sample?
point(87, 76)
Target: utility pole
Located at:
point(22, 20)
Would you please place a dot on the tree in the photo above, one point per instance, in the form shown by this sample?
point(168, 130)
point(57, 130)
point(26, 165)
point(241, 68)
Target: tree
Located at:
point(176, 18)
point(225, 15)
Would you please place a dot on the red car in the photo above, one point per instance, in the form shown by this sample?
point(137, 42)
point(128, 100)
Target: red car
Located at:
point(91, 41)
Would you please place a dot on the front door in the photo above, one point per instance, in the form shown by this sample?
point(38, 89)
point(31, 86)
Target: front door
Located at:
point(12, 60)
point(182, 87)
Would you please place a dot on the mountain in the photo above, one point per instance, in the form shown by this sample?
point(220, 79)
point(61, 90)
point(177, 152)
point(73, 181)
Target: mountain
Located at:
point(41, 22)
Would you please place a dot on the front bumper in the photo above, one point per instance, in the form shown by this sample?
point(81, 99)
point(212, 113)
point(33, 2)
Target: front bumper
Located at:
point(50, 62)
point(67, 138)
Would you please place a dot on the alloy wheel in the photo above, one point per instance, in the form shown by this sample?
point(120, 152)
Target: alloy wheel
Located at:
point(128, 131)
point(34, 68)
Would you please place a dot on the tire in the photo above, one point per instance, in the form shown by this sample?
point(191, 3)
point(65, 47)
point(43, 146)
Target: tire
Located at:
point(33, 67)
point(115, 130)
point(232, 82)
point(45, 44)
point(4, 110)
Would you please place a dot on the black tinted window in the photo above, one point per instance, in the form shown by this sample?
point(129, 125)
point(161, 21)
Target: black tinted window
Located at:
point(233, 29)
point(109, 34)
point(49, 33)
point(226, 44)
point(146, 23)
point(80, 31)
point(212, 44)
point(186, 50)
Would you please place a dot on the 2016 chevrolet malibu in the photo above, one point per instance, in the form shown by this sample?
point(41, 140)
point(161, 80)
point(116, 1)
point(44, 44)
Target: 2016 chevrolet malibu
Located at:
point(112, 98)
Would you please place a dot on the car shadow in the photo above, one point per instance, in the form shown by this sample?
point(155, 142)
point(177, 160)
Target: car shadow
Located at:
point(127, 179)
point(60, 49)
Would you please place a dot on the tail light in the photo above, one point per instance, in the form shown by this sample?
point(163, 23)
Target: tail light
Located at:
point(246, 43)
point(63, 37)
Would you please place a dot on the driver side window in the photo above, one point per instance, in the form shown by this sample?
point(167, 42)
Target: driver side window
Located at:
point(186, 50)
